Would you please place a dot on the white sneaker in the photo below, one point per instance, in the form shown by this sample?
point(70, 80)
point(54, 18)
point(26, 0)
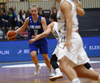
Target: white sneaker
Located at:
point(37, 70)
point(55, 77)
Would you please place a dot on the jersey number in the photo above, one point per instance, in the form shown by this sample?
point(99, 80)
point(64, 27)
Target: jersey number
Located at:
point(35, 32)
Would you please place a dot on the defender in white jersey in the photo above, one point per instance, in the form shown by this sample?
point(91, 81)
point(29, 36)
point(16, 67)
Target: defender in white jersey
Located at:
point(70, 45)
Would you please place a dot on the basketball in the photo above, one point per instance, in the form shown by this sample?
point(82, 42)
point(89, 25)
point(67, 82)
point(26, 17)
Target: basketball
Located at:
point(11, 35)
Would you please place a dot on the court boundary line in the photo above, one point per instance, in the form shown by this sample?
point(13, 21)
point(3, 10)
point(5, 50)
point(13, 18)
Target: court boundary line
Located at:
point(32, 65)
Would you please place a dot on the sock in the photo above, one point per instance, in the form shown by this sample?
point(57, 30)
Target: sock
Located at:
point(57, 70)
point(91, 68)
point(37, 65)
point(76, 80)
point(50, 69)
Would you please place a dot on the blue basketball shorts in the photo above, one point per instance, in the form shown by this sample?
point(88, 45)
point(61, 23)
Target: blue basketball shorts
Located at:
point(42, 46)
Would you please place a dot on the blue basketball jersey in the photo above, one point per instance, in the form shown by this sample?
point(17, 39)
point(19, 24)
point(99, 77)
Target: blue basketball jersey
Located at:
point(35, 28)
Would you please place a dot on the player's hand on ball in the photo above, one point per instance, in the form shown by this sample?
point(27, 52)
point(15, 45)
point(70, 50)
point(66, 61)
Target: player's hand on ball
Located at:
point(11, 35)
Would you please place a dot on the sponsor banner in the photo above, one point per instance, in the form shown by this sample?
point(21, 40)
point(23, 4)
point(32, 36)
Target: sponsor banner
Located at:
point(11, 51)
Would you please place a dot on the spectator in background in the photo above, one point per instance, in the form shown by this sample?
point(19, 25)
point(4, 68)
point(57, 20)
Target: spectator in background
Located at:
point(13, 19)
point(2, 7)
point(54, 10)
point(5, 20)
point(1, 33)
point(1, 16)
point(29, 12)
point(40, 12)
point(22, 16)
point(14, 9)
point(18, 35)
point(24, 34)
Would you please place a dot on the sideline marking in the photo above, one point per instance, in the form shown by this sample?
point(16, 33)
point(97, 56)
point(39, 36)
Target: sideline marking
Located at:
point(32, 65)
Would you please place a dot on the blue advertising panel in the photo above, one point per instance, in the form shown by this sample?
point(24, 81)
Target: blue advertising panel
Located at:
point(18, 50)
point(11, 51)
point(92, 46)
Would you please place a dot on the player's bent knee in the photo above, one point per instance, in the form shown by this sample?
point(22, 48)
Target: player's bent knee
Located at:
point(33, 56)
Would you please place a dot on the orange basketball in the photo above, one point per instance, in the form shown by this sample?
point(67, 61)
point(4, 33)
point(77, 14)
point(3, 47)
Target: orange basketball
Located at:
point(11, 35)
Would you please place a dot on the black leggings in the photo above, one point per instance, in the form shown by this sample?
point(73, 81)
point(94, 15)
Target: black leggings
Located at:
point(53, 61)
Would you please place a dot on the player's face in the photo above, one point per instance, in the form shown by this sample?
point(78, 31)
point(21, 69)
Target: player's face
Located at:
point(34, 11)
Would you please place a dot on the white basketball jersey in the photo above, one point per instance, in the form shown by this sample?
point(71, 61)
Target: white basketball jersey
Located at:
point(62, 23)
point(55, 31)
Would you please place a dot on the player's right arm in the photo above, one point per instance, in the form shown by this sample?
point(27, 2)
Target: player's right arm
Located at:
point(66, 8)
point(44, 34)
point(23, 26)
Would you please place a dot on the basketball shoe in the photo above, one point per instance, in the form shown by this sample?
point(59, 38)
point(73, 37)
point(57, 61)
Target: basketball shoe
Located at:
point(37, 70)
point(58, 75)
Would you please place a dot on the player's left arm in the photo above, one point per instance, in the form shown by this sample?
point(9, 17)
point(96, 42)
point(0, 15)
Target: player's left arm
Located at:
point(80, 11)
point(44, 24)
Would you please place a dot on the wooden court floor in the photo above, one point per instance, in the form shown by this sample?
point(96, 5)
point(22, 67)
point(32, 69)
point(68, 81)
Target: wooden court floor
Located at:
point(26, 75)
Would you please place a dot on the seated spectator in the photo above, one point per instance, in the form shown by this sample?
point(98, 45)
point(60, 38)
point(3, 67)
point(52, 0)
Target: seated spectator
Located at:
point(5, 20)
point(1, 16)
point(28, 12)
point(2, 7)
point(54, 6)
point(16, 11)
point(24, 34)
point(41, 13)
point(18, 35)
point(13, 19)
point(1, 33)
point(21, 17)
point(54, 10)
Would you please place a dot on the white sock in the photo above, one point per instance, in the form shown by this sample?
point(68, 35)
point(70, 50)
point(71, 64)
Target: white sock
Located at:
point(57, 70)
point(50, 69)
point(37, 65)
point(76, 80)
point(91, 68)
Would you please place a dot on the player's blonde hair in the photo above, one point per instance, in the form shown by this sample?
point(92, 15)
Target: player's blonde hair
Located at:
point(34, 6)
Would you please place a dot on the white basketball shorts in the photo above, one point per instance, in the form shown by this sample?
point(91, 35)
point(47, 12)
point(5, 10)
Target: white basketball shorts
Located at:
point(77, 53)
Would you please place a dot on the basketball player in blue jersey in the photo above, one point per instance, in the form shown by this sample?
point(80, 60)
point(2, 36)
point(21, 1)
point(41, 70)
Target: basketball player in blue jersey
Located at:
point(37, 25)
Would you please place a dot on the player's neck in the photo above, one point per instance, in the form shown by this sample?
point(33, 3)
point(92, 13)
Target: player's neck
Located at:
point(35, 18)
